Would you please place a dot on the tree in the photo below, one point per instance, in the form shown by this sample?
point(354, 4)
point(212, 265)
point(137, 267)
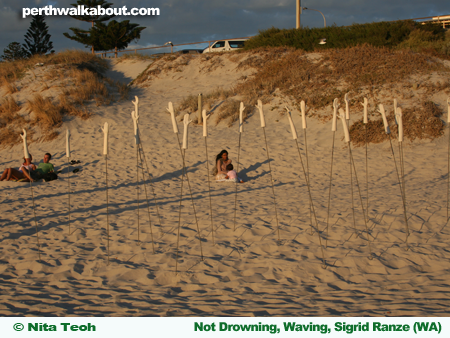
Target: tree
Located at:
point(37, 39)
point(14, 51)
point(116, 35)
point(83, 36)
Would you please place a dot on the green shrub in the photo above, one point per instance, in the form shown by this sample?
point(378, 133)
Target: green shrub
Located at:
point(378, 34)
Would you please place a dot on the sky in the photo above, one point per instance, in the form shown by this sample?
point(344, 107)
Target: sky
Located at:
point(183, 21)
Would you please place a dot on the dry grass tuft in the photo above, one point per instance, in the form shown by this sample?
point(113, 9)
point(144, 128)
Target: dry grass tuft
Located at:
point(424, 123)
point(8, 111)
point(170, 62)
point(135, 56)
point(50, 136)
point(190, 103)
point(11, 123)
point(229, 110)
point(46, 114)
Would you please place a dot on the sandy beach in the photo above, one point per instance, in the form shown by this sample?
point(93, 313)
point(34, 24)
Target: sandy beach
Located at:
point(271, 264)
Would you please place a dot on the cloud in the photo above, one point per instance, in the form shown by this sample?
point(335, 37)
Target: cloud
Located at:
point(184, 21)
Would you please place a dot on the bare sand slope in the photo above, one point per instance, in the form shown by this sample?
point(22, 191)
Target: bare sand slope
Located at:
point(270, 264)
point(126, 70)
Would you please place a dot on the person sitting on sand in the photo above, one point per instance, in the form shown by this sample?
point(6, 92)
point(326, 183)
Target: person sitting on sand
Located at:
point(42, 169)
point(11, 174)
point(232, 175)
point(222, 160)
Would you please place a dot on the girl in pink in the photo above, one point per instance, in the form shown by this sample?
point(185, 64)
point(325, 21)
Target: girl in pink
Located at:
point(232, 175)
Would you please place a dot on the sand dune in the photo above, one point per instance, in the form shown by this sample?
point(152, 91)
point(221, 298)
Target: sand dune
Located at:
point(247, 272)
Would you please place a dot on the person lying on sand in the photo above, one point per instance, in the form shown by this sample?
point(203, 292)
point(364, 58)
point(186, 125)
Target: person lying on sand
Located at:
point(43, 169)
point(222, 160)
point(232, 175)
point(11, 174)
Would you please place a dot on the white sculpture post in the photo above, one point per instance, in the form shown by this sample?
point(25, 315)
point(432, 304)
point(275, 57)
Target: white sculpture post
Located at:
point(186, 122)
point(105, 130)
point(241, 118)
point(388, 132)
point(399, 119)
point(294, 136)
point(26, 154)
point(333, 129)
point(68, 170)
point(67, 143)
point(241, 129)
point(347, 110)
point(137, 141)
point(353, 168)
point(291, 123)
point(172, 116)
point(183, 147)
point(135, 118)
point(263, 126)
point(205, 136)
point(303, 110)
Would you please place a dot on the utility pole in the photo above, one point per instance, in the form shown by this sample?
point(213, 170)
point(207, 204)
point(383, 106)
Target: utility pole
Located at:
point(299, 12)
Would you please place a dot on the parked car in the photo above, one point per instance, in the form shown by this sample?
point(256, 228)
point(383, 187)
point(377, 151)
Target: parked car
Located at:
point(225, 45)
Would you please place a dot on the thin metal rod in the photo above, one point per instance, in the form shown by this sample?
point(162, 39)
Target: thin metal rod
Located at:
point(351, 188)
point(402, 168)
point(448, 170)
point(184, 172)
point(68, 188)
point(35, 222)
point(209, 190)
point(273, 189)
point(403, 173)
point(401, 193)
point(236, 184)
point(360, 198)
point(193, 205)
point(179, 213)
point(150, 179)
point(107, 205)
point(367, 176)
point(312, 204)
point(307, 172)
point(148, 208)
point(329, 190)
point(137, 190)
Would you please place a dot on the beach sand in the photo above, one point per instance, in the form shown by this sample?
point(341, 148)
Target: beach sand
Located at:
point(270, 265)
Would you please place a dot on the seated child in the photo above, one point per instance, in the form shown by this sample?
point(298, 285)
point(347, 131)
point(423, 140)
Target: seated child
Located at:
point(232, 175)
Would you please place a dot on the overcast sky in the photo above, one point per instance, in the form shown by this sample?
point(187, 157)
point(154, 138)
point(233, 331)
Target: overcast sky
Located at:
point(182, 21)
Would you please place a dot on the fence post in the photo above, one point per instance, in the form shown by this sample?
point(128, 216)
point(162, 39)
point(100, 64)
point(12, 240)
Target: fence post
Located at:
point(199, 109)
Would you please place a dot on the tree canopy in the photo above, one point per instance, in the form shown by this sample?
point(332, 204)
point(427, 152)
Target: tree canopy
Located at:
point(14, 51)
point(116, 35)
point(37, 39)
point(84, 36)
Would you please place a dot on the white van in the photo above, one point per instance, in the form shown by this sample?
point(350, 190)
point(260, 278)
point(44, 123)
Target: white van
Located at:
point(225, 45)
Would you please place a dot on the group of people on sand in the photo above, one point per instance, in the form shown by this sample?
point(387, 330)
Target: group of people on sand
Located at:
point(28, 171)
point(224, 170)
